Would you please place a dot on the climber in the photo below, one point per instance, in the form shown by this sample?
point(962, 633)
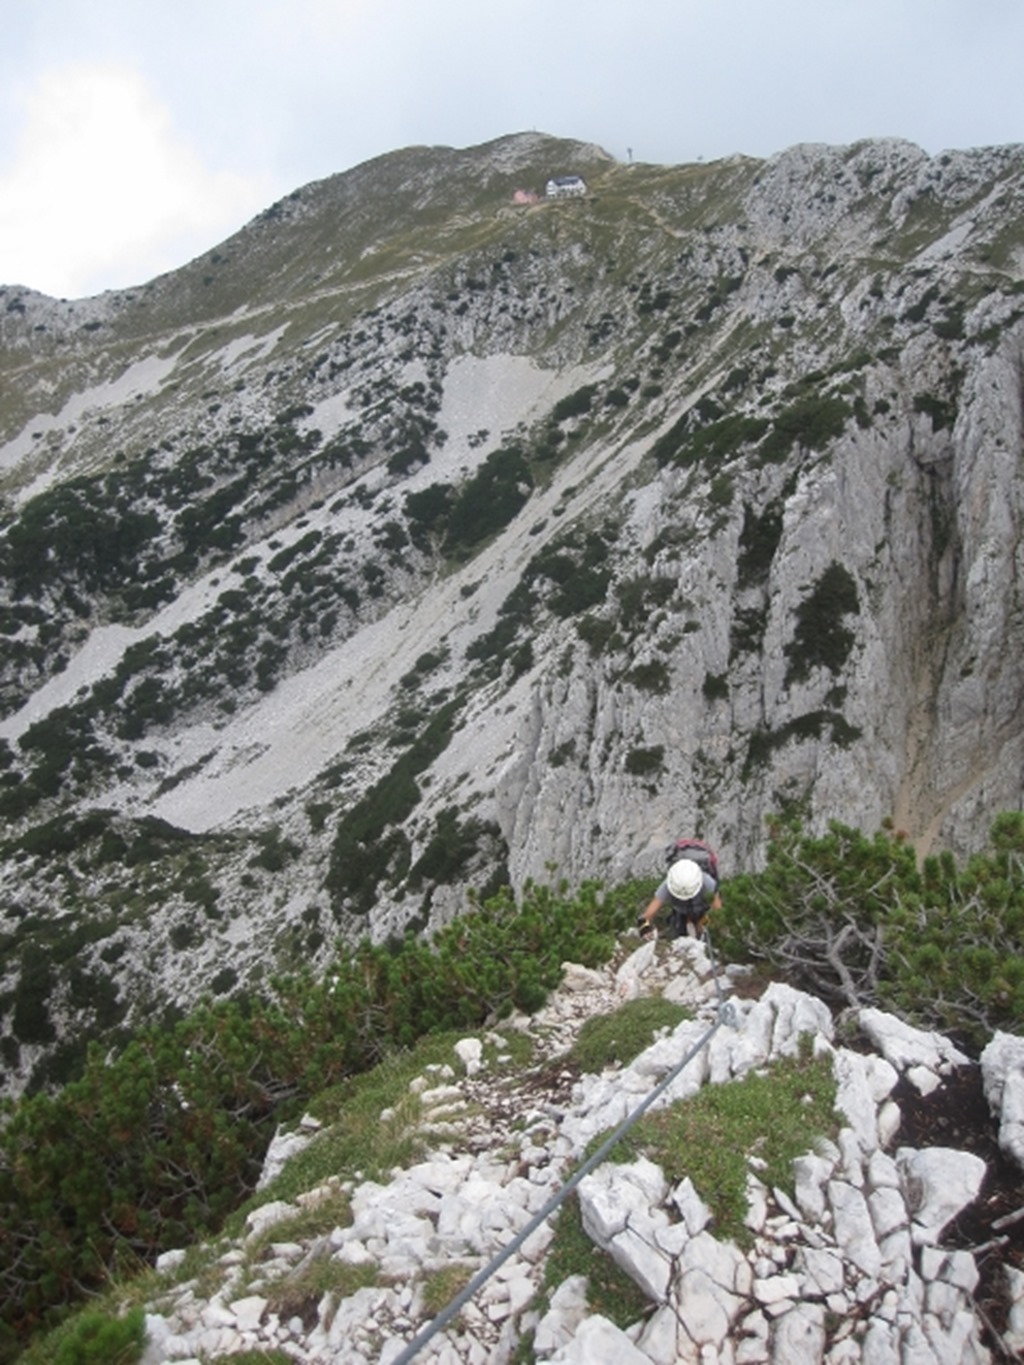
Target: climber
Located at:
point(691, 893)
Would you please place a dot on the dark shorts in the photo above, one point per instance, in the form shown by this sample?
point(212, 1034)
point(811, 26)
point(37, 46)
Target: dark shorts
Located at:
point(680, 920)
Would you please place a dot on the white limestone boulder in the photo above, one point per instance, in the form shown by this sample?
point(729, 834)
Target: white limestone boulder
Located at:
point(470, 1053)
point(613, 1196)
point(906, 1047)
point(567, 1310)
point(267, 1215)
point(283, 1146)
point(1002, 1070)
point(629, 976)
point(577, 978)
point(1014, 1334)
point(600, 1342)
point(939, 1183)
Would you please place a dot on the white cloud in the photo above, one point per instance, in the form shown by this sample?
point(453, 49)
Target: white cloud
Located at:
point(100, 190)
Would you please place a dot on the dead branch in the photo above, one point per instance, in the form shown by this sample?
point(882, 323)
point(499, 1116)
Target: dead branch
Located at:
point(1007, 1220)
point(839, 960)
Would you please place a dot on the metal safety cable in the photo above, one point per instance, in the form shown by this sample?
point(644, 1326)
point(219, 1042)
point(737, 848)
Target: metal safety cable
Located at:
point(725, 1015)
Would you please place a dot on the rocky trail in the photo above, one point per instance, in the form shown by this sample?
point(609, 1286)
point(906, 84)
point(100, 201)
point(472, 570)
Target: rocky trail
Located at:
point(891, 1248)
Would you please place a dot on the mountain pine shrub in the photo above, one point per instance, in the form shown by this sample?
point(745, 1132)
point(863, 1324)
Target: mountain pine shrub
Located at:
point(746, 633)
point(576, 404)
point(810, 422)
point(598, 634)
point(762, 743)
point(369, 848)
point(759, 539)
point(941, 411)
point(820, 638)
point(155, 1147)
point(96, 1338)
point(487, 502)
point(646, 762)
point(687, 443)
point(716, 687)
point(856, 920)
point(653, 677)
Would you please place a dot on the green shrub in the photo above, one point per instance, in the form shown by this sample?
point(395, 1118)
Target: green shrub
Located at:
point(762, 743)
point(569, 576)
point(574, 404)
point(183, 935)
point(95, 1338)
point(820, 639)
point(716, 686)
point(301, 547)
point(451, 848)
point(916, 312)
point(225, 980)
point(275, 852)
point(721, 492)
point(426, 511)
point(639, 597)
point(759, 539)
point(577, 566)
point(368, 847)
point(688, 443)
point(487, 502)
point(652, 677)
point(457, 520)
point(561, 755)
point(646, 762)
point(747, 631)
point(951, 327)
point(597, 633)
point(30, 1022)
point(942, 945)
point(812, 423)
point(941, 411)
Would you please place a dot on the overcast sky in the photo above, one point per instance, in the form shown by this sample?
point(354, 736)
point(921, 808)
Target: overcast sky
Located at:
point(137, 134)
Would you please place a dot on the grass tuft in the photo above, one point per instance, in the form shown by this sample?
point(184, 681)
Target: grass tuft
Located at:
point(775, 1115)
point(607, 1039)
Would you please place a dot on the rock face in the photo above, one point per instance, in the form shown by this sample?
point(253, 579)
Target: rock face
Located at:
point(414, 541)
point(850, 1267)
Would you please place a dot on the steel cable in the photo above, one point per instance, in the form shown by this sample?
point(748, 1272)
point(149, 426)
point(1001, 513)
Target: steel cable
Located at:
point(437, 1324)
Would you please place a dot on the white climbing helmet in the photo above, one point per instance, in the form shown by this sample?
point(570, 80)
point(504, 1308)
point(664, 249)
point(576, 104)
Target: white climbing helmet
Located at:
point(685, 879)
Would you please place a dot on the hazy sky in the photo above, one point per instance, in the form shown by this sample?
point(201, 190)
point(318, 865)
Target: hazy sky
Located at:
point(136, 134)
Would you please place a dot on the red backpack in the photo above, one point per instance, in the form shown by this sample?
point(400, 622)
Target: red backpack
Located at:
point(697, 851)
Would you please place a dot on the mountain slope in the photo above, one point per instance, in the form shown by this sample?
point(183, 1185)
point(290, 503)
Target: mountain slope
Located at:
point(766, 1254)
point(414, 540)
